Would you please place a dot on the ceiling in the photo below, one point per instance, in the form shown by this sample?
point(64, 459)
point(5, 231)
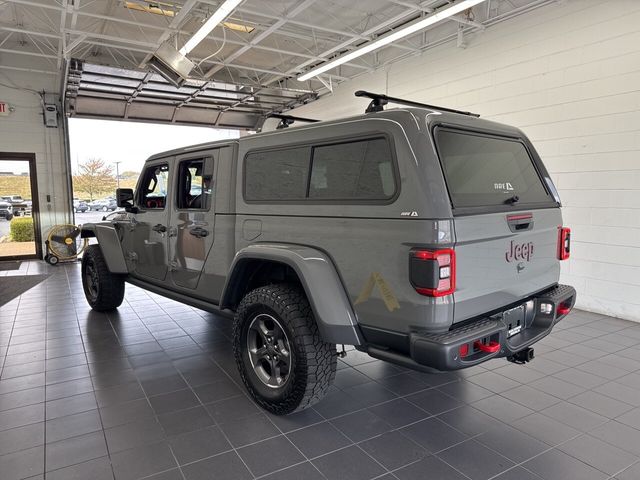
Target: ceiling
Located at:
point(283, 38)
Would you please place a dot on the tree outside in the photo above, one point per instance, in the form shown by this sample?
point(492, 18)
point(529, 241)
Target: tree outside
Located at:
point(94, 179)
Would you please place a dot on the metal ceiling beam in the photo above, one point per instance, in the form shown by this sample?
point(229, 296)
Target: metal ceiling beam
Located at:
point(281, 51)
point(173, 25)
point(25, 52)
point(295, 11)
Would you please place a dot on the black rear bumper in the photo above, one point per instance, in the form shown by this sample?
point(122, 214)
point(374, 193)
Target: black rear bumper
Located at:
point(475, 342)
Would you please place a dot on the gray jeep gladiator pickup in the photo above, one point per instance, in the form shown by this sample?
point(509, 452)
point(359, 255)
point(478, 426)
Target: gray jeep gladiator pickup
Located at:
point(424, 236)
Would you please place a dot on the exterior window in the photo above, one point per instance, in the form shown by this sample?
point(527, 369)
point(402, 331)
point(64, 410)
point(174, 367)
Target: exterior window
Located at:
point(488, 171)
point(195, 187)
point(351, 171)
point(277, 174)
point(355, 170)
point(155, 185)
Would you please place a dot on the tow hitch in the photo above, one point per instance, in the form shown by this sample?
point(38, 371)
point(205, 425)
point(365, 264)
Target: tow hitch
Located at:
point(522, 357)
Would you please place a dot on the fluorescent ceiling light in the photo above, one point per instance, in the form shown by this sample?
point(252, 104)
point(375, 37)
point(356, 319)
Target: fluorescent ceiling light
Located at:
point(218, 16)
point(392, 37)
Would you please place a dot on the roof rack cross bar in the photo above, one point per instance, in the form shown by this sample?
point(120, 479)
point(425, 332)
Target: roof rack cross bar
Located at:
point(378, 100)
point(286, 120)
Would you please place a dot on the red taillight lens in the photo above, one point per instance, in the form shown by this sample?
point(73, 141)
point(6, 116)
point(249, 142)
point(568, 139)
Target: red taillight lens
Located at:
point(564, 243)
point(433, 272)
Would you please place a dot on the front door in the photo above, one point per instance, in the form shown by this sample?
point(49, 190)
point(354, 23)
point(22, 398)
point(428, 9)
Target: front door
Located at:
point(149, 231)
point(192, 218)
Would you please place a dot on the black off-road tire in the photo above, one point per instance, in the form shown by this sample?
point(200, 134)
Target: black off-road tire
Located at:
point(313, 361)
point(109, 287)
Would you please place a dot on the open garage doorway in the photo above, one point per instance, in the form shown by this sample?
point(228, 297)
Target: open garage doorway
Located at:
point(19, 225)
point(108, 154)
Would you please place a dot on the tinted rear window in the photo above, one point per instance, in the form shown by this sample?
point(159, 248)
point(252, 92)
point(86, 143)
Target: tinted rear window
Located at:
point(277, 174)
point(359, 170)
point(354, 170)
point(488, 171)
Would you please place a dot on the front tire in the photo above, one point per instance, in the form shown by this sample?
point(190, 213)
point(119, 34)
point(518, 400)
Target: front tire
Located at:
point(103, 290)
point(283, 361)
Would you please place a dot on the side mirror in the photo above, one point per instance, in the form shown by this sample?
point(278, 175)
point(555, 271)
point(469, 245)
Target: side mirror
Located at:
point(124, 198)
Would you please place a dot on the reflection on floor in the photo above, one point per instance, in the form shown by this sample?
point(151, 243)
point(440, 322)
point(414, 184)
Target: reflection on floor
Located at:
point(152, 392)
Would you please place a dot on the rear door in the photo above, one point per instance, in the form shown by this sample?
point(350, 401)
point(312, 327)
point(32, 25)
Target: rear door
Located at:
point(506, 220)
point(192, 218)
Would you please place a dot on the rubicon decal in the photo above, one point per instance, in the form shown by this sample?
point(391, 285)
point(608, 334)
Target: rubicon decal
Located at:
point(519, 252)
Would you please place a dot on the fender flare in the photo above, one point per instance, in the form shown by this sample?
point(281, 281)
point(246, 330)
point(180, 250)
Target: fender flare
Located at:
point(109, 243)
point(327, 296)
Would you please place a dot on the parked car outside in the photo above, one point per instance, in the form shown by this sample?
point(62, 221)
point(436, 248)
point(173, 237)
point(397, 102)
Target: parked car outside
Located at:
point(103, 205)
point(6, 210)
point(80, 206)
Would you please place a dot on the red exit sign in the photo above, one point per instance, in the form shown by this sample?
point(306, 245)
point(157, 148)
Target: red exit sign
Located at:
point(4, 109)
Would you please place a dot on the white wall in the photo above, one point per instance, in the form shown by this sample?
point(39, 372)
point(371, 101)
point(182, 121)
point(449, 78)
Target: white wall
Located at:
point(568, 75)
point(24, 131)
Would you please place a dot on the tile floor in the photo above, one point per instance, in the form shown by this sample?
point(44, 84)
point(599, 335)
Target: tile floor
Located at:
point(152, 392)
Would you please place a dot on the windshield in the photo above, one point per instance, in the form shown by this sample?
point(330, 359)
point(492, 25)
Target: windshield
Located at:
point(483, 170)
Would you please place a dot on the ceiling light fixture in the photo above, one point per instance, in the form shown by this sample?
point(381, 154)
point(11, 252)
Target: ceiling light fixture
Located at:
point(392, 37)
point(218, 16)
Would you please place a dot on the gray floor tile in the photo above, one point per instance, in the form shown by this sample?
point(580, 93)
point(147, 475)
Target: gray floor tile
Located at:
point(585, 373)
point(431, 466)
point(350, 463)
point(193, 446)
point(433, 434)
point(318, 439)
point(304, 471)
point(512, 443)
point(142, 461)
point(393, 450)
point(227, 466)
point(97, 469)
point(361, 425)
point(545, 429)
point(598, 454)
point(21, 416)
point(475, 460)
point(249, 430)
point(22, 464)
point(502, 408)
point(574, 416)
point(75, 450)
point(631, 473)
point(132, 435)
point(73, 425)
point(601, 404)
point(399, 413)
point(554, 465)
point(270, 455)
point(531, 398)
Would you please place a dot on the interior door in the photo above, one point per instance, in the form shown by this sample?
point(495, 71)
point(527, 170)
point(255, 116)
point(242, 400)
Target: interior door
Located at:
point(192, 218)
point(149, 230)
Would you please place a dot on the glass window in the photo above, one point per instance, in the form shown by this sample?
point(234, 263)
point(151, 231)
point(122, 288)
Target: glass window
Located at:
point(488, 171)
point(277, 174)
point(155, 186)
point(353, 170)
point(195, 187)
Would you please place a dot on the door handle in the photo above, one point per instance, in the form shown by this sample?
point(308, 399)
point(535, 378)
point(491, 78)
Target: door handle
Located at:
point(198, 232)
point(159, 228)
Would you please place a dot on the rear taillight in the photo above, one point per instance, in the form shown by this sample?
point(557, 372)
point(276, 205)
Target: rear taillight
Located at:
point(433, 272)
point(564, 243)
